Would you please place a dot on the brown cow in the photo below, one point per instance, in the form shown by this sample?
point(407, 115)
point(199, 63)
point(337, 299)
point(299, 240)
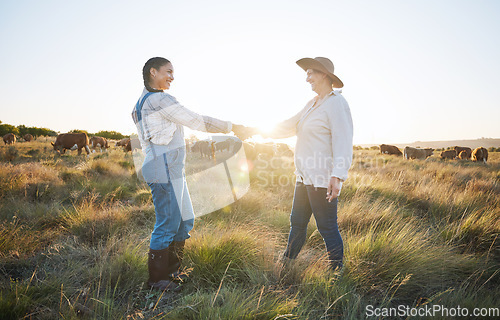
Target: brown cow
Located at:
point(125, 144)
point(464, 155)
point(99, 142)
point(223, 145)
point(28, 137)
point(71, 141)
point(415, 153)
point(468, 151)
point(122, 143)
point(128, 146)
point(480, 154)
point(9, 138)
point(205, 147)
point(388, 149)
point(448, 154)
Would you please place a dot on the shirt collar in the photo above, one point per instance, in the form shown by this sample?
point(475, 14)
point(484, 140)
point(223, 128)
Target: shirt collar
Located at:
point(333, 92)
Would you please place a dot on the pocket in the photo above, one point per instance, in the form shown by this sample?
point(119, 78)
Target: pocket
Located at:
point(161, 190)
point(172, 156)
point(155, 171)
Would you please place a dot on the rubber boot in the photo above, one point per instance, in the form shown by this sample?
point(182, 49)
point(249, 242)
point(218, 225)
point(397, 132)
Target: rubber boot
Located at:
point(159, 269)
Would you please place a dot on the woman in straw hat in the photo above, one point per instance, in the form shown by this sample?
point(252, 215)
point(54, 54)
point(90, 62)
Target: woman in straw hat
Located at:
point(323, 155)
point(160, 121)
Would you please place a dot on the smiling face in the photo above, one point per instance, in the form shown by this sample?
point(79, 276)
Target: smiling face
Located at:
point(318, 80)
point(161, 78)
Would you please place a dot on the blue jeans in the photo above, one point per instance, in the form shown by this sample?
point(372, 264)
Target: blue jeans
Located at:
point(164, 174)
point(309, 200)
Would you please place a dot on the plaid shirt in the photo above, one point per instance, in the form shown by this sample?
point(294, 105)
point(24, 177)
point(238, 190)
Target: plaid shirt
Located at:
point(162, 115)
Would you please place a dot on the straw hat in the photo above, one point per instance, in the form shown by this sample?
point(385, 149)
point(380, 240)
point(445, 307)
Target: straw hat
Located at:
point(323, 65)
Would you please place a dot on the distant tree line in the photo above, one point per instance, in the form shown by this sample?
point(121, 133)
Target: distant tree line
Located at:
point(22, 130)
point(105, 134)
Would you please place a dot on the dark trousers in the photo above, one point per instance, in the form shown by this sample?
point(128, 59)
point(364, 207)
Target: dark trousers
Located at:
point(309, 200)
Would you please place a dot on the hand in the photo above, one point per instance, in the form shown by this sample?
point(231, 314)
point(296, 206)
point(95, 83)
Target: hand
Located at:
point(243, 132)
point(333, 190)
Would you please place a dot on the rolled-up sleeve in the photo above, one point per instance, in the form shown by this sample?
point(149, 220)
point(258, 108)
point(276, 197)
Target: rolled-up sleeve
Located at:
point(173, 111)
point(342, 133)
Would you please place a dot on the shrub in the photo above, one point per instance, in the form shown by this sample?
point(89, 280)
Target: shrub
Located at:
point(27, 179)
point(10, 154)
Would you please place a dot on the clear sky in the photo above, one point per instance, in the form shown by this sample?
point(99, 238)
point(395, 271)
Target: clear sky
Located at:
point(413, 70)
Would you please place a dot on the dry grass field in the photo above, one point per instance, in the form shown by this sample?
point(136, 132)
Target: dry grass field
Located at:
point(74, 233)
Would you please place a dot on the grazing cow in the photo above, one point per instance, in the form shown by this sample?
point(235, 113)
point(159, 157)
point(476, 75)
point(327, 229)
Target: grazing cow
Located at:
point(99, 142)
point(128, 146)
point(28, 137)
point(388, 149)
point(480, 154)
point(9, 138)
point(205, 148)
point(125, 144)
point(122, 143)
point(464, 155)
point(415, 153)
point(71, 141)
point(223, 145)
point(448, 154)
point(466, 149)
point(196, 147)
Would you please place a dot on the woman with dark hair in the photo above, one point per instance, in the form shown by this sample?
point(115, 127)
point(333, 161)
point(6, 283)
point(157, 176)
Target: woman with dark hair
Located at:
point(323, 155)
point(160, 121)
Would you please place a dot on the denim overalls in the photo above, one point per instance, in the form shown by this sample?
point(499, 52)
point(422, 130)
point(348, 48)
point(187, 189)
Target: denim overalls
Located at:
point(163, 170)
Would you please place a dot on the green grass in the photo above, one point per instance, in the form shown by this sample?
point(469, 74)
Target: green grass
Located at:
point(74, 233)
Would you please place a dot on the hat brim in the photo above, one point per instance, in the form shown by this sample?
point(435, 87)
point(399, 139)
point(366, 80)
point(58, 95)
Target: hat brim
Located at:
point(309, 63)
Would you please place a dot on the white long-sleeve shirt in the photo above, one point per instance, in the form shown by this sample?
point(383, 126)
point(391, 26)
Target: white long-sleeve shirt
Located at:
point(324, 140)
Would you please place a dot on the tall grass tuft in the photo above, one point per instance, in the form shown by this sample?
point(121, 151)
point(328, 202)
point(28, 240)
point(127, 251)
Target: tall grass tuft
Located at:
point(210, 253)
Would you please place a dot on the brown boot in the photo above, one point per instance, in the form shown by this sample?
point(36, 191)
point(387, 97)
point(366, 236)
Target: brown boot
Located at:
point(159, 270)
point(177, 254)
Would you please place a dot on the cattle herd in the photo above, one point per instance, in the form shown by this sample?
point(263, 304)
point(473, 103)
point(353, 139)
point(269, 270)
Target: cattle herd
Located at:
point(206, 148)
point(209, 148)
point(463, 153)
point(74, 141)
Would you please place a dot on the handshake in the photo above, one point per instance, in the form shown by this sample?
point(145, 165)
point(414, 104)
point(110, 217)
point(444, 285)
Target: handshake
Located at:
point(243, 132)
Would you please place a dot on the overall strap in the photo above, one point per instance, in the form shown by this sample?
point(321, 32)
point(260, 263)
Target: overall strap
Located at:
point(140, 103)
point(138, 111)
point(138, 115)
